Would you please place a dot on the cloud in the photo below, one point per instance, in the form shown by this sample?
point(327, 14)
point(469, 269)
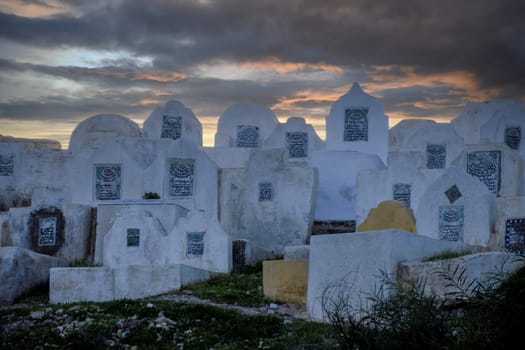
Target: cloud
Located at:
point(420, 58)
point(482, 37)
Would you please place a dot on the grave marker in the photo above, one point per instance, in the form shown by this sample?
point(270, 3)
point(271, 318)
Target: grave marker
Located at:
point(453, 194)
point(436, 156)
point(171, 127)
point(181, 178)
point(451, 218)
point(133, 237)
point(297, 144)
point(248, 136)
point(485, 165)
point(47, 231)
point(7, 164)
point(356, 124)
point(265, 191)
point(402, 193)
point(107, 181)
point(513, 137)
point(195, 243)
point(515, 235)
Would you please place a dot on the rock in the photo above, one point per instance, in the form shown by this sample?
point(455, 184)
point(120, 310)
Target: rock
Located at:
point(37, 315)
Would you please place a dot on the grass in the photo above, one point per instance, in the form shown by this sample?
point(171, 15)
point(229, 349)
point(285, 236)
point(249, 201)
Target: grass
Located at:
point(240, 288)
point(493, 318)
point(447, 255)
point(158, 325)
point(162, 324)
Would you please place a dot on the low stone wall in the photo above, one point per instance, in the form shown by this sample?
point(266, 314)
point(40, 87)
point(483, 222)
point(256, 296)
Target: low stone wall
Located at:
point(468, 271)
point(69, 285)
point(349, 265)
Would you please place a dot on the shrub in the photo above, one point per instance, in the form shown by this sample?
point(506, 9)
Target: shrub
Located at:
point(151, 195)
point(486, 315)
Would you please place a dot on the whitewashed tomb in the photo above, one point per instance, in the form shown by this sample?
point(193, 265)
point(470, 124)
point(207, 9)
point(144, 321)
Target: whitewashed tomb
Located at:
point(357, 122)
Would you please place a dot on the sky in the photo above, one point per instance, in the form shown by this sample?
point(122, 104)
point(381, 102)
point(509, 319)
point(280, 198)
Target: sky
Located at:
point(64, 61)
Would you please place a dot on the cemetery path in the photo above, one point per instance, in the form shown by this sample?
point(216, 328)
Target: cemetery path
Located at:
point(288, 310)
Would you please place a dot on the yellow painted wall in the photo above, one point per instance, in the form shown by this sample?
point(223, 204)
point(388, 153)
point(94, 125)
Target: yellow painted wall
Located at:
point(389, 214)
point(286, 280)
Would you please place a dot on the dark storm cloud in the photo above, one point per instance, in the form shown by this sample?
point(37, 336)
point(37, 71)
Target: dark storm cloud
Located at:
point(115, 75)
point(217, 94)
point(440, 100)
point(69, 109)
point(482, 36)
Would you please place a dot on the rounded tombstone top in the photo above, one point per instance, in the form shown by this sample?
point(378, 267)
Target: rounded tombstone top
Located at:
point(248, 112)
point(389, 214)
point(173, 106)
point(403, 130)
point(255, 121)
point(95, 131)
point(296, 121)
point(431, 133)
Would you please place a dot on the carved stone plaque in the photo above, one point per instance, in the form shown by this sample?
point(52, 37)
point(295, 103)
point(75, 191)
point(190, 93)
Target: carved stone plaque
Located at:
point(453, 194)
point(451, 220)
point(171, 127)
point(248, 136)
point(265, 191)
point(195, 243)
point(356, 124)
point(402, 193)
point(485, 165)
point(107, 181)
point(133, 237)
point(513, 137)
point(181, 178)
point(436, 156)
point(515, 236)
point(297, 144)
point(7, 162)
point(47, 231)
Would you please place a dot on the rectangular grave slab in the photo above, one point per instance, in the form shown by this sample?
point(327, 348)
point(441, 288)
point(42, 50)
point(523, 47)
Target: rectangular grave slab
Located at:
point(436, 156)
point(7, 162)
point(133, 237)
point(195, 243)
point(401, 192)
point(107, 181)
point(297, 144)
point(486, 166)
point(248, 136)
point(515, 235)
point(181, 178)
point(451, 219)
point(356, 124)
